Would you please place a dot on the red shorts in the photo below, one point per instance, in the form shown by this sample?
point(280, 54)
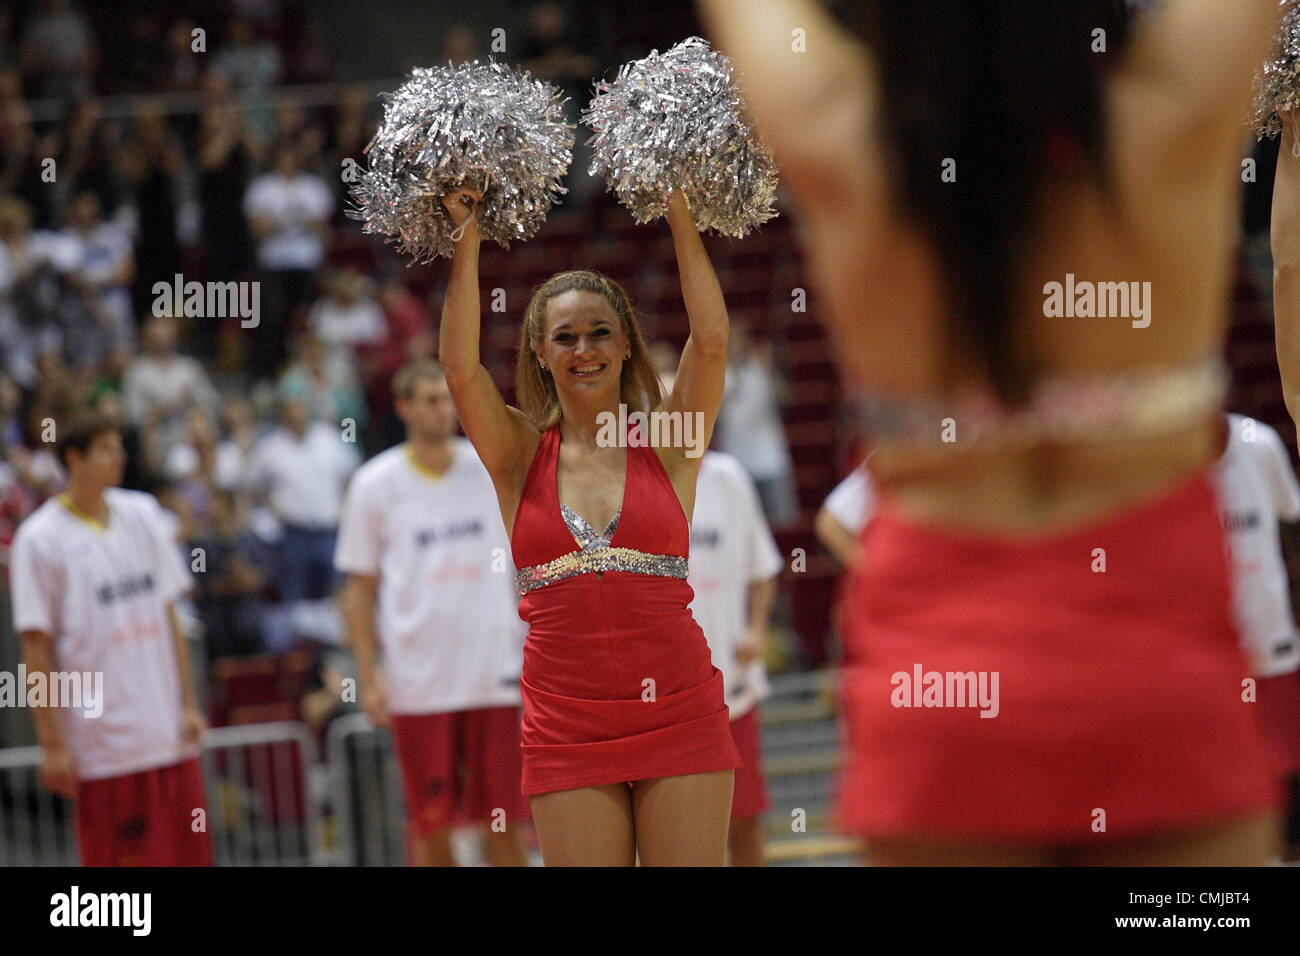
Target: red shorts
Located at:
point(459, 768)
point(144, 819)
point(749, 798)
point(1279, 705)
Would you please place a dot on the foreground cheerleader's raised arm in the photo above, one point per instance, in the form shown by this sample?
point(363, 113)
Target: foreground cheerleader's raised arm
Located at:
point(1285, 240)
point(627, 747)
point(1277, 98)
point(944, 193)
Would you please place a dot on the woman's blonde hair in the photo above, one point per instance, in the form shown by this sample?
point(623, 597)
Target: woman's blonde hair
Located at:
point(639, 387)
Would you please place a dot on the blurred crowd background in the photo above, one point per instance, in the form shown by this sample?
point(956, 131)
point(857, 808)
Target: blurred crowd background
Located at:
point(212, 140)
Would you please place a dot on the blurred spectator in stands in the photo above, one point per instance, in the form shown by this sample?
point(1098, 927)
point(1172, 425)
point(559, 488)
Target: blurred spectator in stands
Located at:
point(408, 337)
point(16, 503)
point(326, 382)
point(58, 51)
point(99, 266)
point(153, 163)
point(250, 60)
point(54, 395)
point(204, 456)
point(551, 51)
point(300, 470)
point(182, 66)
point(225, 164)
point(27, 164)
point(292, 124)
point(15, 118)
point(20, 490)
point(109, 375)
point(179, 519)
point(160, 387)
point(346, 317)
point(11, 413)
point(136, 475)
point(240, 428)
point(254, 65)
point(355, 119)
point(288, 213)
point(87, 163)
point(35, 461)
point(29, 291)
point(228, 593)
point(749, 424)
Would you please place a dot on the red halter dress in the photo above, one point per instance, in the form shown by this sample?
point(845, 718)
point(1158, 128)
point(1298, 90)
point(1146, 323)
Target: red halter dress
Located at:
point(618, 683)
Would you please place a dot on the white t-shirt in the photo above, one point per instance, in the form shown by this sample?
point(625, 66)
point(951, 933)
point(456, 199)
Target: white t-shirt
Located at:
point(343, 327)
point(101, 593)
point(731, 548)
point(183, 461)
point(292, 205)
point(305, 477)
point(448, 618)
point(852, 500)
point(1257, 488)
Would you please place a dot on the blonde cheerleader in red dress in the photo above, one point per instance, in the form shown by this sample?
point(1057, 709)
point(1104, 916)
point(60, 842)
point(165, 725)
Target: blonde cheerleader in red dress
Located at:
point(626, 741)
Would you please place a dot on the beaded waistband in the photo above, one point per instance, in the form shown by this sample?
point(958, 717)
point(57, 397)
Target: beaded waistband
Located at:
point(1076, 408)
point(597, 560)
point(595, 556)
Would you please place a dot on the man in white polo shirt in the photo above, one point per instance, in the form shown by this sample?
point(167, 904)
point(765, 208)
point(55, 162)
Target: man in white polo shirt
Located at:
point(95, 578)
point(430, 576)
point(288, 211)
point(1257, 493)
point(301, 470)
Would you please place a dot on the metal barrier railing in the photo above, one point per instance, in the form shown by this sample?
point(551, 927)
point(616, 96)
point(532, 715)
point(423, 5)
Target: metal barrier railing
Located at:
point(365, 795)
point(37, 828)
point(262, 810)
point(270, 803)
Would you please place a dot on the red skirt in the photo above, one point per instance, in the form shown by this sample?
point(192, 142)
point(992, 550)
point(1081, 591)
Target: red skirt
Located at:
point(618, 685)
point(1048, 691)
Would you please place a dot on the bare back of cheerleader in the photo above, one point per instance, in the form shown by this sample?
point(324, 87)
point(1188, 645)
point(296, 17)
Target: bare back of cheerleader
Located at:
point(594, 356)
point(1164, 211)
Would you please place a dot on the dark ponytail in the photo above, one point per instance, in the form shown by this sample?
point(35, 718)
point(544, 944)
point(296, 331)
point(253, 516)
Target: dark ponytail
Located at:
point(1012, 92)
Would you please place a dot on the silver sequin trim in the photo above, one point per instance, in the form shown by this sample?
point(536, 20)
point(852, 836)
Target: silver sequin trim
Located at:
point(596, 555)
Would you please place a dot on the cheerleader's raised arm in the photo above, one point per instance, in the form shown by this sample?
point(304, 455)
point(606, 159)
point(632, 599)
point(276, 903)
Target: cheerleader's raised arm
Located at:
point(503, 436)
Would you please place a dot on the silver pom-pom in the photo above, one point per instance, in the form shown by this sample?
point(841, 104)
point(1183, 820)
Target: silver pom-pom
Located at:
point(1277, 87)
point(676, 121)
point(483, 125)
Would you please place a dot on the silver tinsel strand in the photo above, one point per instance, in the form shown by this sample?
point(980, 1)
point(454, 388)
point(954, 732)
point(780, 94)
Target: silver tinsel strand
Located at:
point(1277, 87)
point(484, 125)
point(676, 120)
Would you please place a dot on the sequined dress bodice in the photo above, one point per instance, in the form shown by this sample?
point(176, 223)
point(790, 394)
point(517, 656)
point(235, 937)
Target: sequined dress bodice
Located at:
point(650, 538)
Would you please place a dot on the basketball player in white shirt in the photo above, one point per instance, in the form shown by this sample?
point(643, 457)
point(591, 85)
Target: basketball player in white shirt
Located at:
point(1259, 498)
point(734, 563)
point(95, 578)
point(430, 576)
point(839, 522)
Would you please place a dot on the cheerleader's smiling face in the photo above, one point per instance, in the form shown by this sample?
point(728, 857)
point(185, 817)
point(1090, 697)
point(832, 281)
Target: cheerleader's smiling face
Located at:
point(584, 343)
